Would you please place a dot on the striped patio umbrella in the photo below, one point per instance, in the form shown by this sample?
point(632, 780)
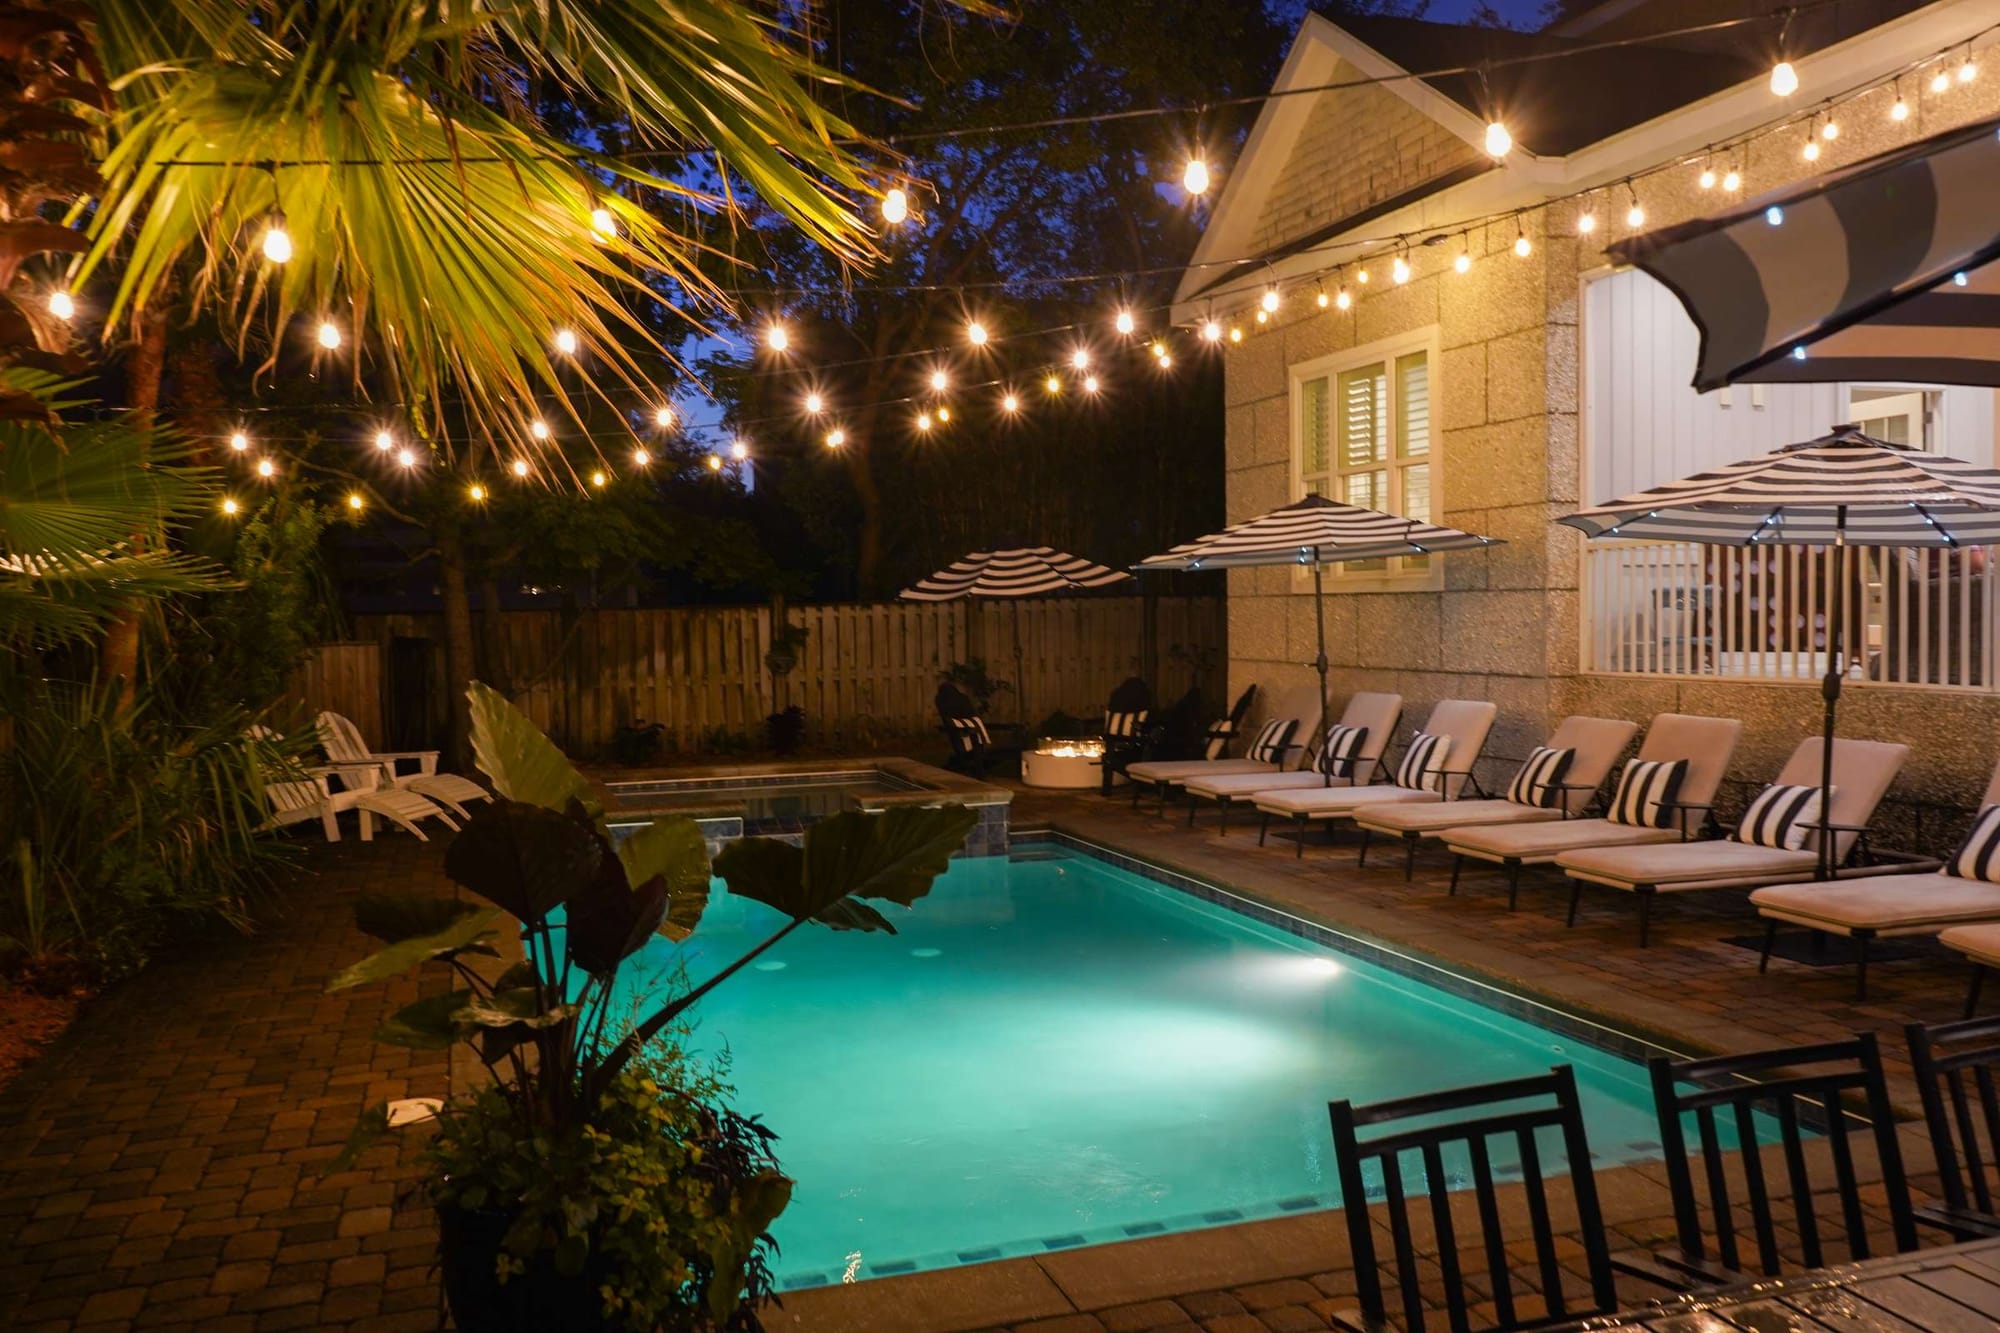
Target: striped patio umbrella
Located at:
point(1021, 571)
point(1888, 269)
point(1315, 531)
point(1824, 492)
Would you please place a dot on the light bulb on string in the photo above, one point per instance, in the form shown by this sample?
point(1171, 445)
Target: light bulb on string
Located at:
point(1321, 299)
point(640, 458)
point(1732, 180)
point(1463, 263)
point(1399, 270)
point(1784, 79)
point(1941, 81)
point(1635, 216)
point(566, 341)
point(940, 381)
point(277, 241)
point(1194, 177)
point(1263, 317)
point(407, 458)
point(1342, 299)
point(266, 468)
point(329, 334)
point(355, 502)
point(1125, 324)
point(599, 479)
point(239, 442)
point(1270, 300)
point(1090, 384)
point(1166, 363)
point(664, 418)
point(603, 223)
point(739, 450)
point(1522, 247)
point(895, 206)
point(1158, 349)
point(1361, 276)
point(229, 505)
point(815, 404)
point(715, 462)
point(1235, 334)
point(1586, 221)
point(975, 333)
point(944, 414)
point(520, 467)
point(1831, 130)
point(1499, 142)
point(1052, 385)
point(1811, 151)
point(61, 304)
point(1707, 178)
point(1211, 331)
point(835, 438)
point(923, 421)
point(777, 338)
point(1079, 358)
point(1967, 70)
point(384, 441)
point(1899, 110)
point(475, 492)
point(539, 429)
point(1010, 403)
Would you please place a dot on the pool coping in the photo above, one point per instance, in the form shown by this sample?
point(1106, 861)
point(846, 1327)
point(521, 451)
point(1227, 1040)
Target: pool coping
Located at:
point(927, 781)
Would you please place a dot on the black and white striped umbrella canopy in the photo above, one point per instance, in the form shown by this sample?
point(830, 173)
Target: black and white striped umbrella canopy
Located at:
point(1315, 531)
point(1027, 571)
point(1888, 269)
point(1879, 494)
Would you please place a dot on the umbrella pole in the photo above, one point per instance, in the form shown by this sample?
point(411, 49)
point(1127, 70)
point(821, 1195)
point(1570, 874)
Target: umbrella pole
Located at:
point(1830, 691)
point(1319, 663)
point(1020, 677)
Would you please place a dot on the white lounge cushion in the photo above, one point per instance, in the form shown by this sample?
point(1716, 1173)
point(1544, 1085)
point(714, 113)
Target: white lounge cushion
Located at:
point(1882, 902)
point(1646, 792)
point(1979, 943)
point(1544, 841)
point(1217, 786)
point(1780, 816)
point(1177, 771)
point(1422, 761)
point(1685, 864)
point(1338, 801)
point(1538, 784)
point(1451, 814)
point(1978, 857)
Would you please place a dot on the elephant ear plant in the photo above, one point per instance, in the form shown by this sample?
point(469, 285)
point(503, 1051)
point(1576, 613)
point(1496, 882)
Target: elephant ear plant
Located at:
point(592, 1181)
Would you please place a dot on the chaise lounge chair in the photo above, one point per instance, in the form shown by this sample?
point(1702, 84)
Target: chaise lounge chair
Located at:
point(1705, 742)
point(1435, 767)
point(1537, 796)
point(1348, 755)
point(1775, 843)
point(341, 740)
point(1872, 906)
point(1283, 735)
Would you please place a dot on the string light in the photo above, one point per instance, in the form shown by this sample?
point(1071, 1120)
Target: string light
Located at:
point(1079, 358)
point(940, 381)
point(1586, 221)
point(1235, 335)
point(715, 462)
point(1342, 299)
point(1967, 71)
point(664, 418)
point(1774, 216)
point(1090, 384)
point(1194, 179)
point(1010, 403)
point(1521, 245)
point(1463, 263)
point(266, 468)
point(1784, 79)
point(895, 206)
point(1707, 178)
point(566, 341)
point(776, 338)
point(520, 467)
point(1263, 317)
point(1499, 143)
point(739, 450)
point(355, 502)
point(1211, 331)
point(239, 442)
point(1270, 301)
point(1166, 363)
point(598, 479)
point(815, 404)
point(943, 414)
point(1899, 110)
point(407, 458)
point(1052, 385)
point(329, 334)
point(1400, 270)
point(1322, 300)
point(61, 305)
point(476, 492)
point(975, 333)
point(1941, 81)
point(277, 241)
point(229, 506)
point(384, 441)
point(1732, 181)
point(603, 223)
point(1125, 323)
point(835, 438)
point(1811, 151)
point(923, 421)
point(1159, 349)
point(1635, 216)
point(1361, 276)
point(539, 429)
point(640, 458)
point(1831, 130)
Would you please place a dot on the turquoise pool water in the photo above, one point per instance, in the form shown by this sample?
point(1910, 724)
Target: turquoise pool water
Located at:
point(1055, 1051)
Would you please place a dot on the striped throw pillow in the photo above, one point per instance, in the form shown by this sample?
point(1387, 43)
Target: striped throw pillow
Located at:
point(1341, 751)
point(1421, 762)
point(1537, 784)
point(1216, 740)
point(1780, 817)
point(1978, 857)
point(968, 734)
point(1646, 792)
point(1273, 740)
point(1124, 726)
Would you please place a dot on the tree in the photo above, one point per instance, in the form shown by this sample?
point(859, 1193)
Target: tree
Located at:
point(440, 225)
point(999, 225)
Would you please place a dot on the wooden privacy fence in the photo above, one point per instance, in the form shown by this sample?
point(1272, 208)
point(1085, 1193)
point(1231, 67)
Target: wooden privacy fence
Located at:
point(344, 678)
point(864, 671)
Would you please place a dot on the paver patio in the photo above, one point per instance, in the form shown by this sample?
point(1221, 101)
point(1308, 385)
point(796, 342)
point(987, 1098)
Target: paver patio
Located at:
point(159, 1168)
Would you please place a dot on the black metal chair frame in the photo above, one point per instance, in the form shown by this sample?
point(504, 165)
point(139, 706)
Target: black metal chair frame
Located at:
point(1954, 1113)
point(1740, 1084)
point(1483, 1121)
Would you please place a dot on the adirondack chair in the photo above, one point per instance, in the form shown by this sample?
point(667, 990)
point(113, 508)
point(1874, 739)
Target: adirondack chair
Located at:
point(341, 740)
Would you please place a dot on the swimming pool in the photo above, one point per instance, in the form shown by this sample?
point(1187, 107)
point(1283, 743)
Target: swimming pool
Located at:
point(1057, 1051)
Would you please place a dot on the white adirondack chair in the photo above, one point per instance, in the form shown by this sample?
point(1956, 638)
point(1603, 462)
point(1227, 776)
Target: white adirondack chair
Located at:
point(313, 797)
point(344, 747)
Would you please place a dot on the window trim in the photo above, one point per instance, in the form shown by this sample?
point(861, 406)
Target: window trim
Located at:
point(1383, 351)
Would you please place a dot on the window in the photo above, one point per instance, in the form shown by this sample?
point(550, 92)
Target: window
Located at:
point(1364, 438)
point(1894, 416)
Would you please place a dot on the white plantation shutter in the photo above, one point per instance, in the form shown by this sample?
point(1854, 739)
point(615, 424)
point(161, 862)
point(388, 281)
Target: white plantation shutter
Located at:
point(1364, 438)
point(1315, 436)
point(1413, 441)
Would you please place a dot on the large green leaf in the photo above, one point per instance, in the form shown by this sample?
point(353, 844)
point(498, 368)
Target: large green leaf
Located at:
point(607, 922)
point(524, 764)
point(892, 855)
point(431, 1024)
point(524, 858)
point(674, 850)
point(392, 917)
point(462, 936)
point(769, 871)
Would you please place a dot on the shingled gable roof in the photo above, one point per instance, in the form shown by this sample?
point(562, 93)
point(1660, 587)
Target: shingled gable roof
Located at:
point(1579, 119)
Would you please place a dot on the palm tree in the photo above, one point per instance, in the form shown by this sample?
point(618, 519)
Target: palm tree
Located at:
point(440, 224)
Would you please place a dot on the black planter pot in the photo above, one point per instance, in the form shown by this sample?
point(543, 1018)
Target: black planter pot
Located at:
point(540, 1300)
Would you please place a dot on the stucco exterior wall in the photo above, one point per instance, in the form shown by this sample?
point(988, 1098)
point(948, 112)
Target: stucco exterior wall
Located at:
point(1505, 402)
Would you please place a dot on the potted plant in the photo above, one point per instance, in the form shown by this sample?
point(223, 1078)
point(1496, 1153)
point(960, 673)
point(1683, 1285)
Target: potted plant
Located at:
point(591, 1182)
point(786, 641)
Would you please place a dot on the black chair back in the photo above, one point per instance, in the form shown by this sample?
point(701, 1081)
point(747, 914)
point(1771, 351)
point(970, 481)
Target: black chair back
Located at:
point(1132, 695)
point(1511, 1112)
point(1955, 1064)
point(952, 702)
point(1791, 1087)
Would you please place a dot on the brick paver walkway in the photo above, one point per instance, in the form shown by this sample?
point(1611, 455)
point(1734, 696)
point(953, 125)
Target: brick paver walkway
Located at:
point(161, 1167)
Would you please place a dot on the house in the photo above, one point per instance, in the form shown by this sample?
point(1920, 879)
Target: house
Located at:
point(1517, 372)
